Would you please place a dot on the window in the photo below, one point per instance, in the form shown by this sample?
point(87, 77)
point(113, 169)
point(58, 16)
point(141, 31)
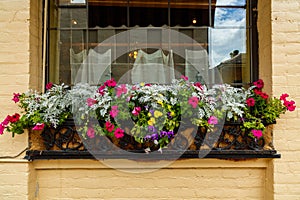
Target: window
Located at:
point(79, 31)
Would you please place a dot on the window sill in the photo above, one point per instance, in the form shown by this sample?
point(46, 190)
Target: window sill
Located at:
point(166, 155)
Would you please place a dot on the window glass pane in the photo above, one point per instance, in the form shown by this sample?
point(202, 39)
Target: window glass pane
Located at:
point(231, 2)
point(229, 54)
point(189, 13)
point(148, 13)
point(72, 18)
point(230, 17)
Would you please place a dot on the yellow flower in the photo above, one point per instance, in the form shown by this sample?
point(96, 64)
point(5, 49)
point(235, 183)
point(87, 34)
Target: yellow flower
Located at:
point(142, 84)
point(151, 121)
point(149, 114)
point(160, 102)
point(157, 114)
point(172, 114)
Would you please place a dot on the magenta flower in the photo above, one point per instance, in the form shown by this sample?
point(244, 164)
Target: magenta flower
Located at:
point(198, 85)
point(101, 89)
point(283, 97)
point(193, 101)
point(184, 77)
point(290, 105)
point(90, 132)
point(6, 120)
point(49, 86)
point(38, 127)
point(16, 97)
point(109, 126)
point(259, 84)
point(2, 127)
point(136, 111)
point(110, 83)
point(250, 102)
point(119, 133)
point(90, 102)
point(257, 133)
point(121, 90)
point(114, 111)
point(212, 120)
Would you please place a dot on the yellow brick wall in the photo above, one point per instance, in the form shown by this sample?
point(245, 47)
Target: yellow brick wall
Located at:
point(286, 75)
point(21, 68)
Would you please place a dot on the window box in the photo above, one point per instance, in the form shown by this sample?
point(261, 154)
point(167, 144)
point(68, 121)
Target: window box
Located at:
point(183, 119)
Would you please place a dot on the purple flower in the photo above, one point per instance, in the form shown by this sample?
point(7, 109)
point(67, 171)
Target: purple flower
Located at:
point(152, 129)
point(16, 97)
point(147, 137)
point(163, 133)
point(170, 134)
point(154, 136)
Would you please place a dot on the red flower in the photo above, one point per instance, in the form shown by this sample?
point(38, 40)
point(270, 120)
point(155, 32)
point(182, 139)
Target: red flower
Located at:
point(2, 127)
point(259, 84)
point(284, 96)
point(136, 111)
point(15, 118)
point(119, 133)
point(110, 83)
point(16, 97)
point(49, 86)
point(290, 105)
point(109, 126)
point(198, 85)
point(250, 102)
point(264, 95)
point(6, 120)
point(101, 89)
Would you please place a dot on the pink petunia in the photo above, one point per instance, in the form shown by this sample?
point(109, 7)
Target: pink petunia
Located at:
point(121, 90)
point(136, 111)
point(212, 120)
point(101, 89)
point(250, 102)
point(109, 126)
point(90, 102)
point(114, 111)
point(16, 97)
point(193, 101)
point(49, 86)
point(110, 83)
point(257, 133)
point(259, 84)
point(119, 133)
point(6, 120)
point(90, 132)
point(184, 77)
point(38, 127)
point(284, 96)
point(2, 128)
point(290, 105)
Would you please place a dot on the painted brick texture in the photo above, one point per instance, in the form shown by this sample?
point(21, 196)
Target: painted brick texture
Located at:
point(285, 76)
point(20, 69)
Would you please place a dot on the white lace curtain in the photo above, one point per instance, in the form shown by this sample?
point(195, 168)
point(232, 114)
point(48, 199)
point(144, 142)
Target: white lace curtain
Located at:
point(153, 68)
point(93, 68)
point(196, 65)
